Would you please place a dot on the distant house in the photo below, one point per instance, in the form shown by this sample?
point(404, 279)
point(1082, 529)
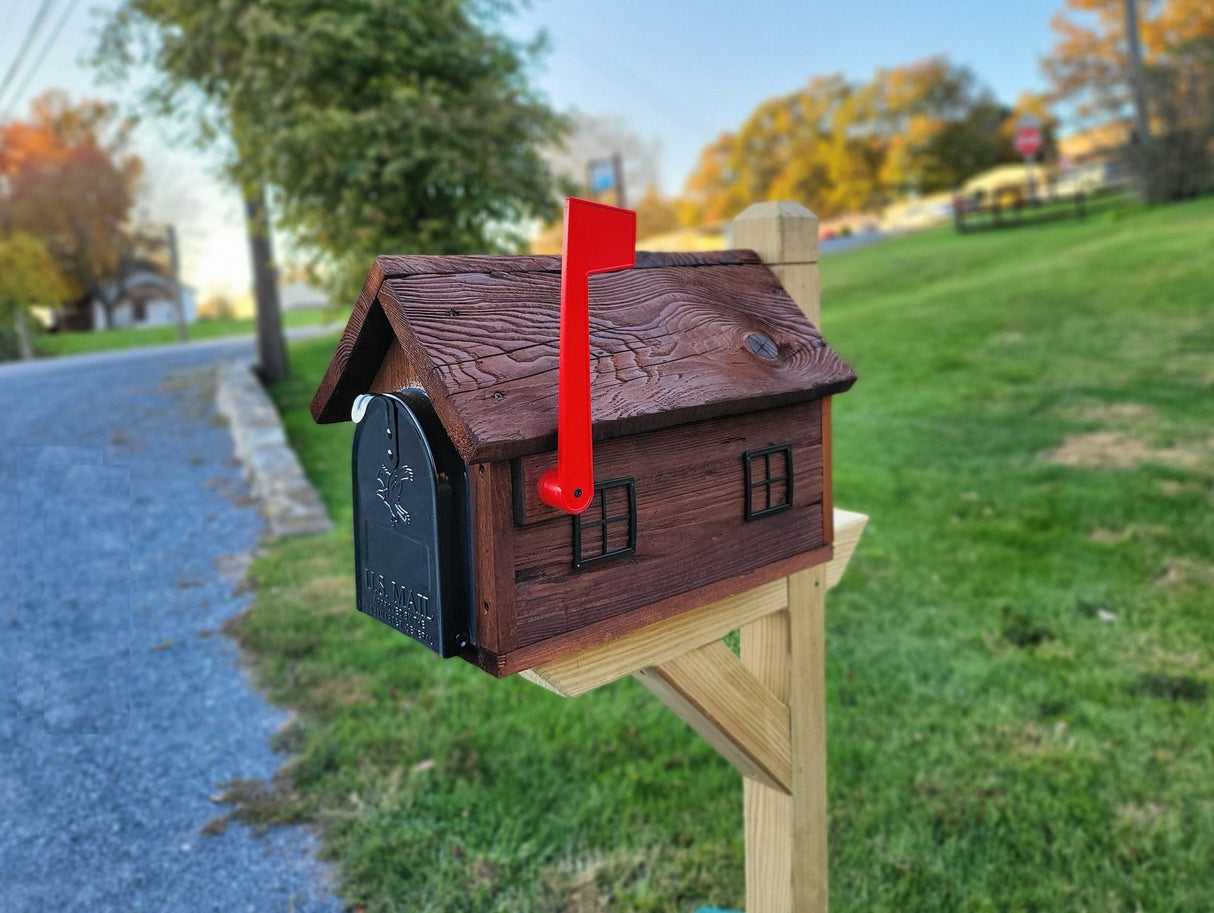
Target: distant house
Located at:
point(1095, 145)
point(143, 298)
point(920, 212)
point(299, 296)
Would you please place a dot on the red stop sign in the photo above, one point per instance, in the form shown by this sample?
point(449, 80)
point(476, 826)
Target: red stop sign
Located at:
point(1028, 137)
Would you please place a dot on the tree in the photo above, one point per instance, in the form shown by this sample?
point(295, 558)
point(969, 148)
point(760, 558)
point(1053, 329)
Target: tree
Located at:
point(1089, 64)
point(1092, 71)
point(29, 276)
point(839, 146)
point(656, 214)
point(711, 193)
point(371, 126)
point(940, 125)
point(70, 182)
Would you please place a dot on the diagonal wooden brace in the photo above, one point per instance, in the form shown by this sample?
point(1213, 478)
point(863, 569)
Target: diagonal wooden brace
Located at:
point(721, 699)
point(740, 706)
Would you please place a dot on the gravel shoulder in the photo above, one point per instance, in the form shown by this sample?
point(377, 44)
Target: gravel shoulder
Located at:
point(126, 522)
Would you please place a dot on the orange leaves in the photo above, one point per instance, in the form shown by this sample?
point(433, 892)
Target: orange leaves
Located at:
point(24, 144)
point(69, 182)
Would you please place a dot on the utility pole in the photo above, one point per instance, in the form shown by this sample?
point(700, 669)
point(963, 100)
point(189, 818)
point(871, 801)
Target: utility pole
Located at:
point(24, 349)
point(1134, 45)
point(271, 350)
point(183, 333)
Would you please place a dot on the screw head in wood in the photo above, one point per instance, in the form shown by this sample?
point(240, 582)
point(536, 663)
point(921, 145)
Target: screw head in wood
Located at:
point(762, 345)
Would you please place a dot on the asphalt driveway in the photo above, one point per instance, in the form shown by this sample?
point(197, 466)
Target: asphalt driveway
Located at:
point(124, 524)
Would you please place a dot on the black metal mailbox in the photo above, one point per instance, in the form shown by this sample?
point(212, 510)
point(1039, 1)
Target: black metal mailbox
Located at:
point(411, 522)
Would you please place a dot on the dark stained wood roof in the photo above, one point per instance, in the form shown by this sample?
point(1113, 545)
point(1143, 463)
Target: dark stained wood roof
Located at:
point(672, 341)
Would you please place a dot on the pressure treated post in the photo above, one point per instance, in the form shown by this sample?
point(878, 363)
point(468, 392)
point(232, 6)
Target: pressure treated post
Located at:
point(786, 847)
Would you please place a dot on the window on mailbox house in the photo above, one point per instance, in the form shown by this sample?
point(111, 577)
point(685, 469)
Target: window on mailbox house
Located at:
point(608, 528)
point(768, 481)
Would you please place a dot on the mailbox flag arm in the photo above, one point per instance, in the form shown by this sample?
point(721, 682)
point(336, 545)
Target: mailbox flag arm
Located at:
point(598, 239)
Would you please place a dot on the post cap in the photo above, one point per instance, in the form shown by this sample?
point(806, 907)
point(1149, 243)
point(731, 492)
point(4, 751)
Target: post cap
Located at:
point(778, 231)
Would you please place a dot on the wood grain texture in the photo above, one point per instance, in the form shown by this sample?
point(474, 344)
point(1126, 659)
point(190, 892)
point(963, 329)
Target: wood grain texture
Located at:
point(599, 665)
point(365, 339)
point(393, 267)
point(669, 345)
point(848, 527)
point(767, 812)
point(363, 345)
point(807, 710)
point(778, 231)
point(715, 446)
point(690, 524)
point(494, 605)
point(395, 372)
point(803, 282)
point(715, 695)
point(828, 485)
point(786, 236)
point(594, 635)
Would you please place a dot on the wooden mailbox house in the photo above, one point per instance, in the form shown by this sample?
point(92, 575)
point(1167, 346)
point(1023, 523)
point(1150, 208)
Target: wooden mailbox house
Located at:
point(711, 425)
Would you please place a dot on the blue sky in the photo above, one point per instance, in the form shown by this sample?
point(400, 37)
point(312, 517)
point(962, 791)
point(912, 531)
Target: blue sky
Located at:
point(682, 71)
point(679, 72)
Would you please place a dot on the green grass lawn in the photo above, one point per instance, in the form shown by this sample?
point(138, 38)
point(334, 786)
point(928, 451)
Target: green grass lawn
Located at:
point(77, 343)
point(1019, 659)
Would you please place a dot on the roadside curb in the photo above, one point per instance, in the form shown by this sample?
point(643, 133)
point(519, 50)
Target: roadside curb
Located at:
point(291, 505)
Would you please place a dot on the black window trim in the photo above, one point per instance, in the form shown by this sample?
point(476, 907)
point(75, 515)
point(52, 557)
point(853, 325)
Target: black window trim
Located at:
point(766, 482)
point(602, 523)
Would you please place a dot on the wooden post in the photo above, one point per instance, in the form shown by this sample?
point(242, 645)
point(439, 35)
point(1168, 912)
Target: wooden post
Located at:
point(786, 847)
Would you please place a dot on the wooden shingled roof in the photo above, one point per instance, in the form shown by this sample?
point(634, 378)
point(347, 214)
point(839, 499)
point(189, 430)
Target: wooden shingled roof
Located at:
point(680, 338)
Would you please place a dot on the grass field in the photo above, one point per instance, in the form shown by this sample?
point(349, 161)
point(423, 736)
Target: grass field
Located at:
point(1019, 659)
point(49, 344)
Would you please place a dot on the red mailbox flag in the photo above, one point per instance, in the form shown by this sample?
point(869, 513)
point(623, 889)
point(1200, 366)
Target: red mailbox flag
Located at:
point(598, 239)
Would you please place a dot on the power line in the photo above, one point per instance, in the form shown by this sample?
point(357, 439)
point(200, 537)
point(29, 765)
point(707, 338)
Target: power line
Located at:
point(619, 71)
point(8, 19)
point(27, 42)
point(51, 38)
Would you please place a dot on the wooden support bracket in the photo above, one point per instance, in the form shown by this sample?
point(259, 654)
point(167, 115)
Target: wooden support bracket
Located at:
point(764, 711)
point(718, 697)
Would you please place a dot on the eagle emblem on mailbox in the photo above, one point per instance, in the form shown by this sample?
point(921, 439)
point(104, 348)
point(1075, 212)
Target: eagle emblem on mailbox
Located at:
point(390, 489)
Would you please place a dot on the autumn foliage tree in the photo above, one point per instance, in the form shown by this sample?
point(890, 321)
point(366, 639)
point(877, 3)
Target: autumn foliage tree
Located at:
point(69, 181)
point(1091, 72)
point(29, 277)
point(839, 146)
